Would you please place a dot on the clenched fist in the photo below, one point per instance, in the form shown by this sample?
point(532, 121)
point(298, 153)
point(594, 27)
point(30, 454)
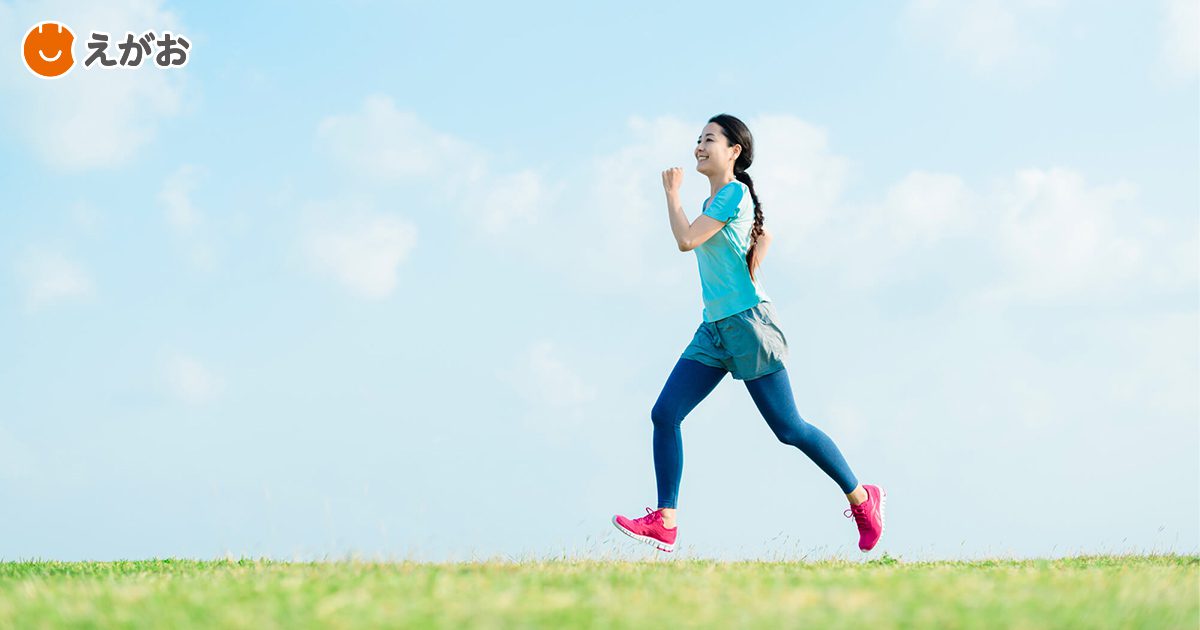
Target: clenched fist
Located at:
point(672, 178)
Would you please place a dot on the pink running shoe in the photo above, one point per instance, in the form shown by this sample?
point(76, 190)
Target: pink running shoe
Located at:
point(868, 515)
point(648, 529)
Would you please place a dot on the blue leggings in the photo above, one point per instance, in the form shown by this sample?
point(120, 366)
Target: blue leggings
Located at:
point(691, 381)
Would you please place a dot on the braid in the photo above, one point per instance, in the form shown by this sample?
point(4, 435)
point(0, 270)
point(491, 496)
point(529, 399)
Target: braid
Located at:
point(744, 177)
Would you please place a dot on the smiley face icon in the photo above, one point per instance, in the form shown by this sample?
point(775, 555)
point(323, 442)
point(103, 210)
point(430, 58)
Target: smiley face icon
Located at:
point(47, 49)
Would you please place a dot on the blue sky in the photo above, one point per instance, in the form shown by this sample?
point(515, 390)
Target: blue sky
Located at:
point(399, 280)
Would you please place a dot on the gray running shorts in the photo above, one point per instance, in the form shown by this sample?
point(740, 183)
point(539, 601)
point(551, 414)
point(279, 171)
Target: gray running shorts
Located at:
point(749, 343)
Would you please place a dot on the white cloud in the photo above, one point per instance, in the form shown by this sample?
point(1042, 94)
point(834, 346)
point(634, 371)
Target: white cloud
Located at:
point(510, 202)
point(1037, 235)
point(380, 146)
point(388, 144)
point(546, 380)
point(1057, 236)
point(1181, 37)
point(50, 277)
point(925, 207)
point(987, 34)
point(619, 213)
point(358, 246)
point(192, 381)
point(1041, 233)
point(870, 243)
point(89, 118)
point(616, 214)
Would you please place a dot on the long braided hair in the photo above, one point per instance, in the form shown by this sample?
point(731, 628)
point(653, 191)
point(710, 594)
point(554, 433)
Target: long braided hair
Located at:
point(736, 132)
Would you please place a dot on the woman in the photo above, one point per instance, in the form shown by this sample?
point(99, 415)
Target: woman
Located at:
point(738, 334)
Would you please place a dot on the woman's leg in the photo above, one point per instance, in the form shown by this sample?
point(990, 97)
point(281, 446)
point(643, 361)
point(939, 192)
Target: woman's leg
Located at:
point(690, 381)
point(773, 396)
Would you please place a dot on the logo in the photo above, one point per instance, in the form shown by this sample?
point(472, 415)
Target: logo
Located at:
point(48, 50)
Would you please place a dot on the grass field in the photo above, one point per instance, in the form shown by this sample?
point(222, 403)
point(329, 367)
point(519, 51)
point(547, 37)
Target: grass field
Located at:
point(1083, 592)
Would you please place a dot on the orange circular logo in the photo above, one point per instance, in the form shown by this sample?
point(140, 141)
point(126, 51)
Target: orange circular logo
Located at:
point(47, 49)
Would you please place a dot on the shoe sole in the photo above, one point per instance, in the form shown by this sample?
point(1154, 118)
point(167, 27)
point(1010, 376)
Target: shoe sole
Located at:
point(654, 542)
point(882, 520)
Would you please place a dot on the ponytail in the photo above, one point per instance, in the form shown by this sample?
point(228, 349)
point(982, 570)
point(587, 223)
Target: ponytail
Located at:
point(744, 177)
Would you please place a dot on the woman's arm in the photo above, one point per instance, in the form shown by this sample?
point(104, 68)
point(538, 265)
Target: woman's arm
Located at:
point(760, 249)
point(688, 236)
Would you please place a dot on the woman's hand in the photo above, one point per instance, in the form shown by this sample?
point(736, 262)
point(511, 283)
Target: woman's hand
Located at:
point(672, 178)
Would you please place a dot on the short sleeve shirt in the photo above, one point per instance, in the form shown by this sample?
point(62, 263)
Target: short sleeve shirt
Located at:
point(725, 281)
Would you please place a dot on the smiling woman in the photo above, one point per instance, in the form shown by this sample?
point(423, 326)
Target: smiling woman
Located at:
point(738, 334)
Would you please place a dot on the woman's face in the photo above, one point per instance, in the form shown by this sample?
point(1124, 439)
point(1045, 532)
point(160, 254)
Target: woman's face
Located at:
point(714, 156)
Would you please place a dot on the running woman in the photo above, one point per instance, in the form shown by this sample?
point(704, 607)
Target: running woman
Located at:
point(738, 335)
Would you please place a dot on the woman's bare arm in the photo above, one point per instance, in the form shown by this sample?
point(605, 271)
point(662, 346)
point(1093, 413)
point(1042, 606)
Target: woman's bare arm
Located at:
point(760, 249)
point(688, 235)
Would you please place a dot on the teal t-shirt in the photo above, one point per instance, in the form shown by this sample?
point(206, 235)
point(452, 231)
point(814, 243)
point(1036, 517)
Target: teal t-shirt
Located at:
point(724, 276)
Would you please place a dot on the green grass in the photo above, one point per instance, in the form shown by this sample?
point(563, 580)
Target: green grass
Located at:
point(1082, 592)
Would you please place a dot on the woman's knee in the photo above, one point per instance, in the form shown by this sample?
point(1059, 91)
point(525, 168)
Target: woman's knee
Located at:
point(794, 435)
point(665, 414)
